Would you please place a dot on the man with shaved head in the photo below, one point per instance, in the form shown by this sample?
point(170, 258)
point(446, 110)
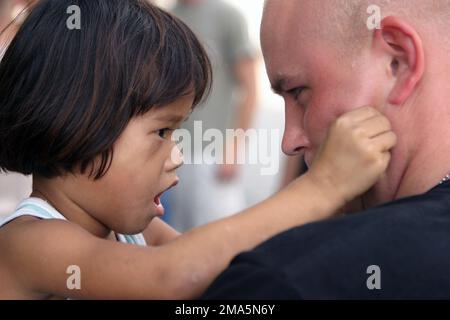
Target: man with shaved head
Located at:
point(325, 58)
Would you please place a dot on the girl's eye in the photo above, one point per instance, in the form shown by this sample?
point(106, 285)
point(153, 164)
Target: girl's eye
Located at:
point(163, 133)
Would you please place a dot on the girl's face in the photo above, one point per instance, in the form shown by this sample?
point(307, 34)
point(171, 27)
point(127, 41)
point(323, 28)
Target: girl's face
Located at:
point(145, 158)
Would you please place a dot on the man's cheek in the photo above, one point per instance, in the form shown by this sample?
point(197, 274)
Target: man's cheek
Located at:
point(317, 126)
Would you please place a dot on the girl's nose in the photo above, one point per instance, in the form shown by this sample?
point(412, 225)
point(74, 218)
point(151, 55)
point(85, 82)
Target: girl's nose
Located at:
point(176, 159)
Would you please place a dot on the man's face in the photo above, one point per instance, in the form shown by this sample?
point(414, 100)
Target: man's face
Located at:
point(316, 82)
point(307, 65)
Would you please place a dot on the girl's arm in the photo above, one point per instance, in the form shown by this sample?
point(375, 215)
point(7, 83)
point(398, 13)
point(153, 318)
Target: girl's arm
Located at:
point(354, 155)
point(159, 233)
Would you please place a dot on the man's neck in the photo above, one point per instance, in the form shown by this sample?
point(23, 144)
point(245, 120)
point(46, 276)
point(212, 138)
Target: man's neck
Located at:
point(424, 172)
point(421, 159)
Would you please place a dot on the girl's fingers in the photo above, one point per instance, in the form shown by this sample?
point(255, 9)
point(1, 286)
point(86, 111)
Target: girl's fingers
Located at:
point(376, 125)
point(385, 141)
point(361, 114)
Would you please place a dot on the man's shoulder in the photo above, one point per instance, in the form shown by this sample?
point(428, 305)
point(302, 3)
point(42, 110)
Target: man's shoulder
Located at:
point(426, 215)
point(406, 240)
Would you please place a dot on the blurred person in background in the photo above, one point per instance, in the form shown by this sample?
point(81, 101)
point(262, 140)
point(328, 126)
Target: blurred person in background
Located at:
point(6, 12)
point(219, 188)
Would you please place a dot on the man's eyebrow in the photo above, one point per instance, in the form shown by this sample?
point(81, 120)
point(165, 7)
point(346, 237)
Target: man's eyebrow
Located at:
point(278, 85)
point(282, 82)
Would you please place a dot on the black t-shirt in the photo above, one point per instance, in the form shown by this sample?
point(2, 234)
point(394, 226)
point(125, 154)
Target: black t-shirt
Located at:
point(408, 240)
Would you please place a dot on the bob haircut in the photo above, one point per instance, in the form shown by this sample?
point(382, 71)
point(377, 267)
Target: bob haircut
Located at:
point(66, 95)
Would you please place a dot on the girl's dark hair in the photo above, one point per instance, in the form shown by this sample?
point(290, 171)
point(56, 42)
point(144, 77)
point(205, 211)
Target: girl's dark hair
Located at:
point(67, 94)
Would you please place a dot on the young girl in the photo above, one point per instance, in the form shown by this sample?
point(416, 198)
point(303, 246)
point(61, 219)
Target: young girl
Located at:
point(90, 113)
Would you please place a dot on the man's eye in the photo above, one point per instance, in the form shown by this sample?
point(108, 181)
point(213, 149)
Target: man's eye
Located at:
point(163, 133)
point(296, 92)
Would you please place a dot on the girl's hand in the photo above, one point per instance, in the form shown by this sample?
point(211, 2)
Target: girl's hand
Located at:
point(354, 154)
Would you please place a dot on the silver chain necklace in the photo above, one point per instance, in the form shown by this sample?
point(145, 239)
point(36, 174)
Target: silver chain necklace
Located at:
point(447, 177)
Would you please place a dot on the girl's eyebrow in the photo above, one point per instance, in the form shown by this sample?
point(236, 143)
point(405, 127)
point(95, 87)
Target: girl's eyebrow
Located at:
point(172, 118)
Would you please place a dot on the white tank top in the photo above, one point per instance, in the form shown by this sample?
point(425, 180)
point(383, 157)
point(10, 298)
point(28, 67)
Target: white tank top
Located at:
point(41, 209)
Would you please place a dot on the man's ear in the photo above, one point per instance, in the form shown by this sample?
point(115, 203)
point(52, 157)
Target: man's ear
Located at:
point(407, 63)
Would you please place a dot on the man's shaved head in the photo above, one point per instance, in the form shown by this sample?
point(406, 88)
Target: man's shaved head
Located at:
point(345, 21)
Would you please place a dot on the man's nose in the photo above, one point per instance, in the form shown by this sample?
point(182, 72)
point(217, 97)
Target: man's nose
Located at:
point(294, 141)
point(294, 138)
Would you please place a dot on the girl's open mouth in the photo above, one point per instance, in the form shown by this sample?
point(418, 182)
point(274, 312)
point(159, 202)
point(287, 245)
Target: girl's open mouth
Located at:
point(158, 205)
point(157, 200)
